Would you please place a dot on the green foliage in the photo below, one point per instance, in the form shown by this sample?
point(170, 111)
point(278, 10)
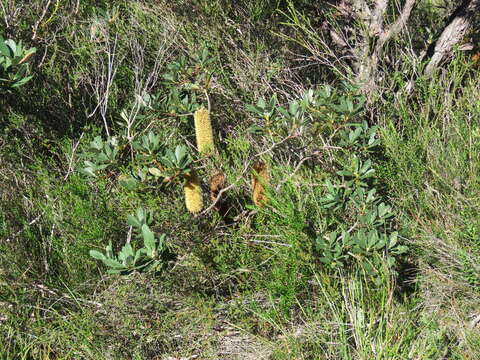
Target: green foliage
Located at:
point(362, 138)
point(310, 111)
point(148, 258)
point(101, 154)
point(152, 160)
point(13, 64)
point(292, 279)
point(362, 223)
point(185, 79)
point(148, 145)
point(176, 163)
point(140, 218)
point(147, 158)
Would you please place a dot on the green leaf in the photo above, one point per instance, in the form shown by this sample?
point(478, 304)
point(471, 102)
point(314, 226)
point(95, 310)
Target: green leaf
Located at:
point(22, 81)
point(180, 152)
point(97, 255)
point(148, 237)
point(401, 249)
point(126, 251)
point(155, 172)
point(344, 173)
point(115, 271)
point(13, 47)
point(113, 263)
point(253, 108)
point(4, 49)
point(89, 171)
point(108, 250)
point(293, 108)
point(138, 255)
point(284, 112)
point(132, 221)
point(393, 239)
point(161, 243)
point(129, 183)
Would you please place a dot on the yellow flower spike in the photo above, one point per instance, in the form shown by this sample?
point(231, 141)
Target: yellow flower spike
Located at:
point(203, 131)
point(193, 193)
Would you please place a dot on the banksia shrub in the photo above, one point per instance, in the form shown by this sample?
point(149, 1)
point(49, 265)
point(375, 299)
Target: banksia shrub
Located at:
point(203, 131)
point(259, 180)
point(193, 193)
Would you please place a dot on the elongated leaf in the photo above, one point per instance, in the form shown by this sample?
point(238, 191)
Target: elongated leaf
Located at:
point(148, 237)
point(4, 49)
point(155, 172)
point(12, 46)
point(127, 254)
point(132, 221)
point(97, 255)
point(113, 263)
point(180, 152)
point(23, 81)
point(89, 171)
point(393, 239)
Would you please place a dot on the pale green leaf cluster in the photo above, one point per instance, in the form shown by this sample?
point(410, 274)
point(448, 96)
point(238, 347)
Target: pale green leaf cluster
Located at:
point(14, 71)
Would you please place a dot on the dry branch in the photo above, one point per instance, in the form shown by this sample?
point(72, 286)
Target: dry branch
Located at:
point(456, 29)
point(398, 25)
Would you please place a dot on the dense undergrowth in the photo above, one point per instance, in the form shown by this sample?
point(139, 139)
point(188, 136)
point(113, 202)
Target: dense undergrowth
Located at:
point(332, 224)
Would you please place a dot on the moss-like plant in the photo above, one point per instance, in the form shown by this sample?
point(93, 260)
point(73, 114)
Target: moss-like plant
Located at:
point(203, 131)
point(193, 193)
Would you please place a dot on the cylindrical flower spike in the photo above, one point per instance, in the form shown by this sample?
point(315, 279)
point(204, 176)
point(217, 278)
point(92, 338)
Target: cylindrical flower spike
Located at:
point(203, 131)
point(259, 179)
point(193, 193)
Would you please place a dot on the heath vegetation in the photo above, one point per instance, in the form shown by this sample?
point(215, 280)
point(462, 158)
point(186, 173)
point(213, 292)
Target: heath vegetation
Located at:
point(272, 179)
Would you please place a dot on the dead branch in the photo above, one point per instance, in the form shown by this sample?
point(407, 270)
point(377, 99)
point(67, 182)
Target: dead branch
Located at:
point(245, 169)
point(458, 26)
point(40, 19)
point(105, 72)
point(376, 22)
point(397, 26)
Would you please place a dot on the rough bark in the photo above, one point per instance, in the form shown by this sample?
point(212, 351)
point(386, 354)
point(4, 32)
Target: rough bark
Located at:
point(370, 52)
point(457, 27)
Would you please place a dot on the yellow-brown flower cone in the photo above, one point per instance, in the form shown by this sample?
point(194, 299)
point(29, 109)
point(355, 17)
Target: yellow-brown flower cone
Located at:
point(193, 193)
point(203, 131)
point(259, 178)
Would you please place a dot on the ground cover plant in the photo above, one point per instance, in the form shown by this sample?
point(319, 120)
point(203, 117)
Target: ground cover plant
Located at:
point(239, 180)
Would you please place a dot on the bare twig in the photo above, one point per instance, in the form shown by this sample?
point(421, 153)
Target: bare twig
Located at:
point(70, 162)
point(44, 289)
point(105, 74)
point(144, 80)
point(40, 19)
point(300, 163)
point(245, 169)
point(25, 227)
point(270, 242)
point(5, 16)
point(10, 11)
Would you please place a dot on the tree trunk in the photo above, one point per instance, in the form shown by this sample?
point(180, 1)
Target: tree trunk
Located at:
point(458, 26)
point(368, 52)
